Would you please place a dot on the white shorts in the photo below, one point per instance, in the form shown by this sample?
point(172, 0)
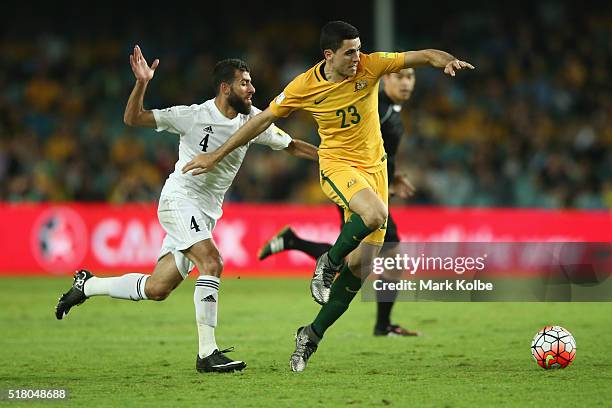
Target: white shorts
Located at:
point(185, 224)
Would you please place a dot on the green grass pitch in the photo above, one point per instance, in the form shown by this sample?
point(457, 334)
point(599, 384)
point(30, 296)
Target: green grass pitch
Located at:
point(111, 352)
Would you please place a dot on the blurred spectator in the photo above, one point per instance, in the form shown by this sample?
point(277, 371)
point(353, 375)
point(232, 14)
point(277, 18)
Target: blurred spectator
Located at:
point(529, 128)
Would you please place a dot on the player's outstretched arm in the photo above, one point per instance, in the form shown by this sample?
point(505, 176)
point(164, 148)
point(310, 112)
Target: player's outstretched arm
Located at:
point(303, 150)
point(134, 114)
point(205, 162)
point(435, 58)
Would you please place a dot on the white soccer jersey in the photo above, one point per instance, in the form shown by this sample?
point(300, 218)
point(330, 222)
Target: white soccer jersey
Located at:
point(203, 128)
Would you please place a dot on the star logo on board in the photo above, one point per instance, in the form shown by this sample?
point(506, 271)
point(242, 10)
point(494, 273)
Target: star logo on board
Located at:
point(59, 239)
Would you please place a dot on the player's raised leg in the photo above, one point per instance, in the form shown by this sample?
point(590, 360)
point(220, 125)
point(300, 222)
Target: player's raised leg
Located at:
point(131, 286)
point(206, 257)
point(368, 213)
point(286, 239)
point(368, 204)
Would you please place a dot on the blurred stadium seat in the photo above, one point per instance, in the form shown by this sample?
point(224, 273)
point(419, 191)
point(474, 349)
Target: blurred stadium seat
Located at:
point(529, 128)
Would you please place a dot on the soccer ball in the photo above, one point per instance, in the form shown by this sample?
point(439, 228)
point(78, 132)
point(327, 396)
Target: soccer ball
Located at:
point(553, 347)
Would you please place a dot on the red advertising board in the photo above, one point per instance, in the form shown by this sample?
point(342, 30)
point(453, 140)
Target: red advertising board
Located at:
point(61, 237)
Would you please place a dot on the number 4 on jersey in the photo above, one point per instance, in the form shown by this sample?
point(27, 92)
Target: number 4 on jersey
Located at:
point(204, 143)
point(194, 225)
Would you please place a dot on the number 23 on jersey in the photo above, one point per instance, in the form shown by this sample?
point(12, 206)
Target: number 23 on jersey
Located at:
point(348, 116)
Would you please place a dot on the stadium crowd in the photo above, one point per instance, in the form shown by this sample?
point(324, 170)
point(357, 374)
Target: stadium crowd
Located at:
point(529, 128)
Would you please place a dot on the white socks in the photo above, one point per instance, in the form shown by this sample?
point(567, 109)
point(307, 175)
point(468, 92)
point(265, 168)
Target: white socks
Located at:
point(205, 298)
point(130, 286)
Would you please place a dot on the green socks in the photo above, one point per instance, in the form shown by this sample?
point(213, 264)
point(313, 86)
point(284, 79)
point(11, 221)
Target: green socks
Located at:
point(343, 290)
point(353, 232)
point(346, 285)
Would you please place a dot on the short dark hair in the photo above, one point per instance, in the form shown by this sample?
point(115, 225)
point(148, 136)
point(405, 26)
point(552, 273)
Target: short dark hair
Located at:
point(334, 33)
point(225, 71)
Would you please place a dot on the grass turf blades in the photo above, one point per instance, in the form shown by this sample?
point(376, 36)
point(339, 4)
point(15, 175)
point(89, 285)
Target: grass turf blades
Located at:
point(112, 353)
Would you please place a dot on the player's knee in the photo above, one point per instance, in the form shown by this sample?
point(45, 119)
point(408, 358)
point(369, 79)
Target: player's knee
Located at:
point(213, 266)
point(375, 217)
point(158, 291)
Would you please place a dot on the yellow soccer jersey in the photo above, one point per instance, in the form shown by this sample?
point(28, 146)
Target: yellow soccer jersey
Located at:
point(346, 112)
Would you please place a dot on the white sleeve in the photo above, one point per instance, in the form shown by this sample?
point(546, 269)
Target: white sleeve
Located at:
point(177, 119)
point(274, 137)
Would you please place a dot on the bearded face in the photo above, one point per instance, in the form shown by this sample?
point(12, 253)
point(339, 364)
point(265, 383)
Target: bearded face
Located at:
point(240, 103)
point(240, 93)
